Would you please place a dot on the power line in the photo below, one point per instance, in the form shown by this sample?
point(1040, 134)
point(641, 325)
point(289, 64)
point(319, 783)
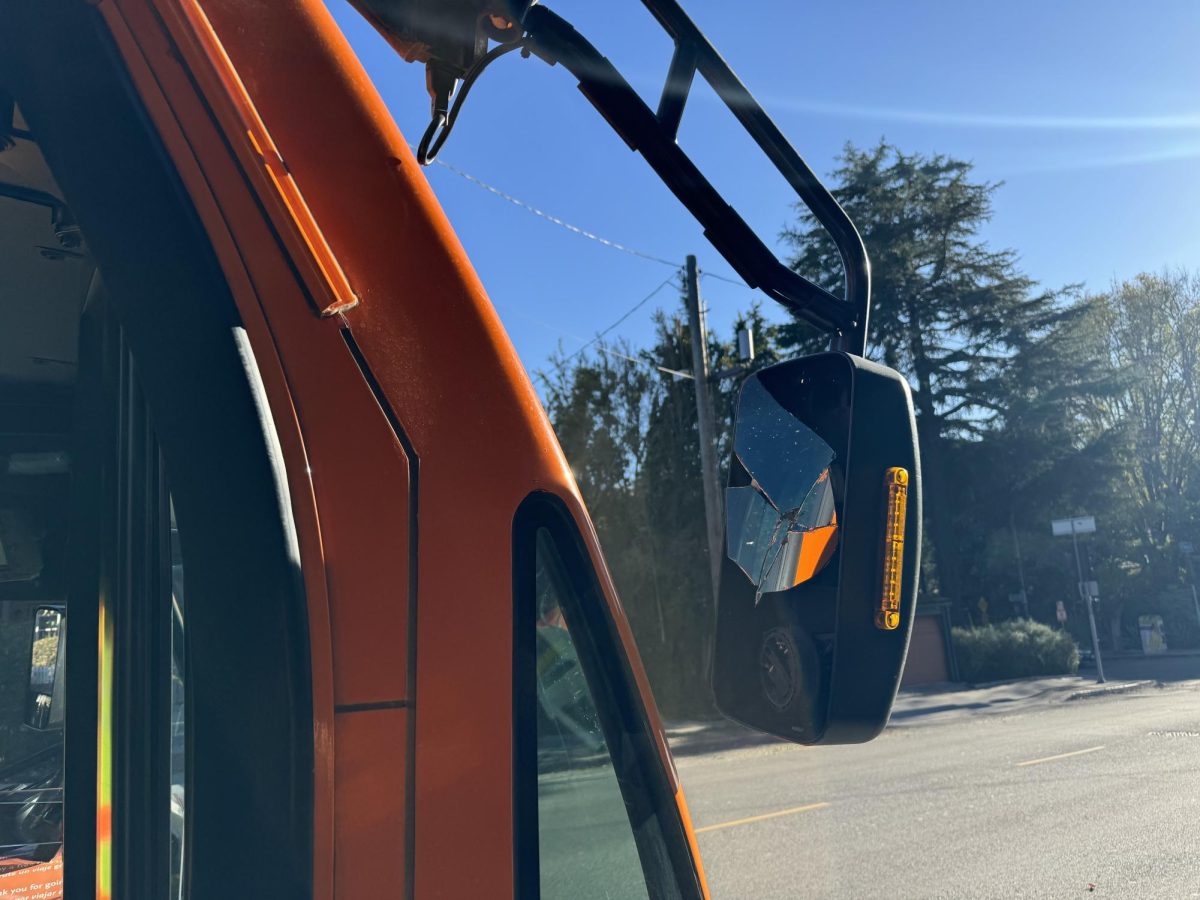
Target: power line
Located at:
point(642, 362)
point(529, 207)
point(734, 281)
point(575, 229)
point(626, 315)
point(600, 347)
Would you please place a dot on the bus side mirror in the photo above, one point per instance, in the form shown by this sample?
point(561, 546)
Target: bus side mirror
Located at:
point(823, 535)
point(47, 682)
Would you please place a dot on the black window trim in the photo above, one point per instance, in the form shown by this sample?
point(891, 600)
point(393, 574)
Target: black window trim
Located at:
point(645, 787)
point(140, 608)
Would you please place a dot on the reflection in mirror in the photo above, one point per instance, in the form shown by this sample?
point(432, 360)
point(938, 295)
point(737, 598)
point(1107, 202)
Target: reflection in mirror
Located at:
point(782, 454)
point(782, 528)
point(44, 700)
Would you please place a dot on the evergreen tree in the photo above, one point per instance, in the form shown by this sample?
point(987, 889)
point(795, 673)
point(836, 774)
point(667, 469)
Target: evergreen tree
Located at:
point(626, 420)
point(948, 311)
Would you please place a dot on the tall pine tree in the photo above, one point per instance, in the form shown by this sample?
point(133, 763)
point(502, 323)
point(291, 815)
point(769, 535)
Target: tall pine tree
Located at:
point(948, 311)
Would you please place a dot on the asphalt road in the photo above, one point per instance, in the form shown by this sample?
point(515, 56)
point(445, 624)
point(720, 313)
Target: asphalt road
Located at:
point(1097, 797)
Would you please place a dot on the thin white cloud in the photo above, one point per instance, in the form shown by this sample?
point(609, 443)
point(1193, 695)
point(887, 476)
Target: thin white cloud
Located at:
point(1188, 121)
point(1172, 153)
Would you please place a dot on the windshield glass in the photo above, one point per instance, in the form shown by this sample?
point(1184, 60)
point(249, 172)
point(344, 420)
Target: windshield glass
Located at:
point(1024, 178)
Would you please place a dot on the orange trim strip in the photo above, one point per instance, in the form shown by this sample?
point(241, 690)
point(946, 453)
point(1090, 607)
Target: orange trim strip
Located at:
point(325, 276)
point(691, 837)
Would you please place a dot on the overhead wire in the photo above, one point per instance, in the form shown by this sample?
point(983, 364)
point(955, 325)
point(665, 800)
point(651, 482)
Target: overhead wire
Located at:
point(529, 207)
point(735, 281)
point(599, 345)
point(575, 229)
point(641, 362)
point(613, 245)
point(629, 312)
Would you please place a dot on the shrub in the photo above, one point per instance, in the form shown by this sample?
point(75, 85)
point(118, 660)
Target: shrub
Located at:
point(1018, 648)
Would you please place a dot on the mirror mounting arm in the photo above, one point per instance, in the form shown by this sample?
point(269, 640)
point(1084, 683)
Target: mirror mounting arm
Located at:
point(555, 40)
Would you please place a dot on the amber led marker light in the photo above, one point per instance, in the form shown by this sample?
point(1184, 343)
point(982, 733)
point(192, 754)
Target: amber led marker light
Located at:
point(888, 615)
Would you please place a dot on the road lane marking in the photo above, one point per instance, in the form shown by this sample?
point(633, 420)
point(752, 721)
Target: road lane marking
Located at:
point(1034, 762)
point(774, 815)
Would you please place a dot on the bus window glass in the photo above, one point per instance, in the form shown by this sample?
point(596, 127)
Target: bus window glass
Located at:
point(178, 716)
point(33, 625)
point(586, 843)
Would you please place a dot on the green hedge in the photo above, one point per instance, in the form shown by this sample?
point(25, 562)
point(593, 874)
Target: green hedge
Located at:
point(1018, 648)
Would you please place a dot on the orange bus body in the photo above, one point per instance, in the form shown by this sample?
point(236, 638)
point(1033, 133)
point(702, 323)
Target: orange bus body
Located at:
point(341, 260)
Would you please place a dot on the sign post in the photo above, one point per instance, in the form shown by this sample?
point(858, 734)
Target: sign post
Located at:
point(1188, 549)
point(1074, 527)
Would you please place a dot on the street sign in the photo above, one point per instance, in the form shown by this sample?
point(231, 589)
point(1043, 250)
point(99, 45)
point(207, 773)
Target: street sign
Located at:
point(1187, 547)
point(1088, 590)
point(1076, 525)
point(1060, 611)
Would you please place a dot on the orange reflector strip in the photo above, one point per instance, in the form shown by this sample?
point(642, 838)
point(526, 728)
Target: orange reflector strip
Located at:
point(887, 616)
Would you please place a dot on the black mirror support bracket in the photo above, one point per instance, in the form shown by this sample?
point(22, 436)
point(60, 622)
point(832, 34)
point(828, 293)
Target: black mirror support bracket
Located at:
point(653, 134)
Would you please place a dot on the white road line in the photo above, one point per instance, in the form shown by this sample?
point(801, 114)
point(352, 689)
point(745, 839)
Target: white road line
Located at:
point(1034, 762)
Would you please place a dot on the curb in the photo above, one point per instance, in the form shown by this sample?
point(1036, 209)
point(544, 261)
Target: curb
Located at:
point(1109, 689)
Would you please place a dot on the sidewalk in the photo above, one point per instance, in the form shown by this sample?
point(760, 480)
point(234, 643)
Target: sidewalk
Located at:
point(938, 702)
point(931, 704)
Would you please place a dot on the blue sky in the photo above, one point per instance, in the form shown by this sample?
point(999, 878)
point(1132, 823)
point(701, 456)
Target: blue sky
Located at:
point(1088, 111)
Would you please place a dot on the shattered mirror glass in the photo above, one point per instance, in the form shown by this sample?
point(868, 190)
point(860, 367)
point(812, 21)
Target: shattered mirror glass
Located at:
point(782, 528)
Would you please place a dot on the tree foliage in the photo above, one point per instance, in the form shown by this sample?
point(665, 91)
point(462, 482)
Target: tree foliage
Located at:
point(1032, 404)
point(948, 311)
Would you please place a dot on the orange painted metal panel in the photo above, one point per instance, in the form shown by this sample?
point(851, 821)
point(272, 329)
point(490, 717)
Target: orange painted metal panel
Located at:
point(436, 347)
point(331, 292)
point(369, 837)
point(370, 497)
point(358, 613)
point(199, 152)
point(440, 356)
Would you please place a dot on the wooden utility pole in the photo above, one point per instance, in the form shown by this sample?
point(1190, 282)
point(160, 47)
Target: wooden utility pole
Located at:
point(706, 428)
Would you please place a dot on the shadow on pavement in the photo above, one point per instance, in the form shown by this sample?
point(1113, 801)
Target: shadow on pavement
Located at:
point(937, 703)
point(695, 738)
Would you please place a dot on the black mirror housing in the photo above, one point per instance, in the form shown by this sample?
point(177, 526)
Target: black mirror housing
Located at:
point(819, 583)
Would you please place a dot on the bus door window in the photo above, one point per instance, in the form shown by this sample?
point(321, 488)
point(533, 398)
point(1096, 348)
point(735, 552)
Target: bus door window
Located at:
point(586, 845)
point(594, 815)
